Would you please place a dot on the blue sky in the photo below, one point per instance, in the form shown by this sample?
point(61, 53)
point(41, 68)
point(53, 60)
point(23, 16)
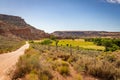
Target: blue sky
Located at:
point(58, 15)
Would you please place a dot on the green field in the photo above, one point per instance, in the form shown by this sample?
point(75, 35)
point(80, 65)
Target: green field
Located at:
point(79, 42)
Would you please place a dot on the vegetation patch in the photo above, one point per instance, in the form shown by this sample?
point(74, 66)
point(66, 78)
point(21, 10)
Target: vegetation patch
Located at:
point(8, 45)
point(79, 43)
point(110, 44)
point(43, 62)
point(62, 67)
point(30, 68)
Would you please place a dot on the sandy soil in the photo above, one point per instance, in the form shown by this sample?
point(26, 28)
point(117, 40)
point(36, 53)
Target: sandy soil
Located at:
point(8, 60)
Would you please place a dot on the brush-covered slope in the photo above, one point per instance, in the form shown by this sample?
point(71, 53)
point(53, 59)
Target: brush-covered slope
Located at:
point(14, 26)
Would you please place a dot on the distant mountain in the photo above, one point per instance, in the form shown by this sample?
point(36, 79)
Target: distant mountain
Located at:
point(14, 26)
point(86, 34)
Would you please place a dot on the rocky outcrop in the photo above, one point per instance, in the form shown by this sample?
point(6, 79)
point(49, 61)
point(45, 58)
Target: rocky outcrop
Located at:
point(86, 34)
point(16, 26)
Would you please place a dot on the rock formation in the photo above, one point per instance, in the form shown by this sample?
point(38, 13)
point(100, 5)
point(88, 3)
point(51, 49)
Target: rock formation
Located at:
point(86, 34)
point(15, 26)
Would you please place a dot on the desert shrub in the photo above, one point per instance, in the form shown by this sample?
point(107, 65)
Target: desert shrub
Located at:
point(63, 70)
point(62, 67)
point(31, 76)
point(45, 75)
point(79, 77)
point(97, 68)
point(102, 70)
point(64, 57)
point(117, 63)
point(108, 57)
point(73, 58)
point(29, 64)
point(40, 75)
point(111, 58)
point(26, 64)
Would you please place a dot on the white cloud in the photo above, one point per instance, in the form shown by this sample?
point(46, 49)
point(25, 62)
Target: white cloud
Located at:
point(113, 1)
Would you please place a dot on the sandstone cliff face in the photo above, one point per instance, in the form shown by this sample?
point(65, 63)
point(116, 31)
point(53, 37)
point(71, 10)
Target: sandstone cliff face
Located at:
point(16, 26)
point(86, 34)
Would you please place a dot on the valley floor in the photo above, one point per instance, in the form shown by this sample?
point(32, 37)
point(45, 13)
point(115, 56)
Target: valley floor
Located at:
point(43, 62)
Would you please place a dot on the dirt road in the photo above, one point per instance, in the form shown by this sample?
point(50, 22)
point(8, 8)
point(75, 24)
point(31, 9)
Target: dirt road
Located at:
point(9, 59)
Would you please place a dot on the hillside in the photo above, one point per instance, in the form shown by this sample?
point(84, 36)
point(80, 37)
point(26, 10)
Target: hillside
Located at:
point(14, 26)
point(86, 34)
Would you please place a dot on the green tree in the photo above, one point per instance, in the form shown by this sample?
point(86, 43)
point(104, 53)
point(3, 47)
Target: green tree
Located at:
point(46, 42)
point(52, 37)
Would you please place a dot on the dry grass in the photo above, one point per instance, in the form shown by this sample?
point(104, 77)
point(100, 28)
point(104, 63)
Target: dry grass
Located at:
point(8, 45)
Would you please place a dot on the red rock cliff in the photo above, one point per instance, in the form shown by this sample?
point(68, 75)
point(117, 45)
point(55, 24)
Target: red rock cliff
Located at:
point(16, 26)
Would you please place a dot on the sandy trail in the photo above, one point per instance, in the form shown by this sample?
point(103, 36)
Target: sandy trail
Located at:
point(9, 59)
